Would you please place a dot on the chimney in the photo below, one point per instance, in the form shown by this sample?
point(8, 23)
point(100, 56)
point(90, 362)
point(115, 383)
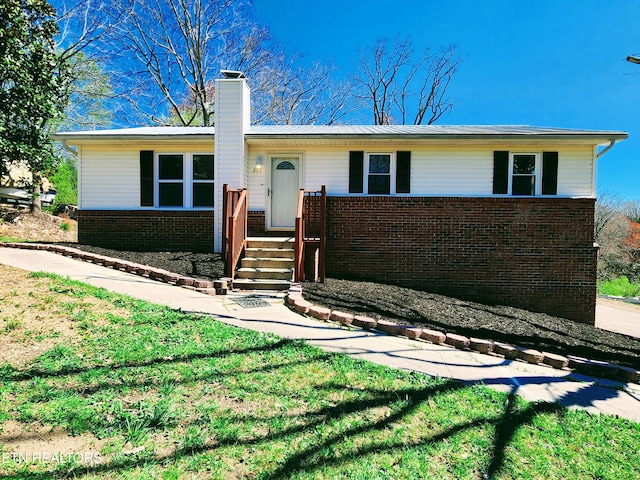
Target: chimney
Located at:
point(232, 119)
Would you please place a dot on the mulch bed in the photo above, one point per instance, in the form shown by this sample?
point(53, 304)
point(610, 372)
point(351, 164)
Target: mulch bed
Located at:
point(494, 322)
point(207, 266)
point(412, 307)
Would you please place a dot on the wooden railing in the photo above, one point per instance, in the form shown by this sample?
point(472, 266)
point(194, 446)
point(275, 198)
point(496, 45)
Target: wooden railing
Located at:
point(234, 226)
point(311, 232)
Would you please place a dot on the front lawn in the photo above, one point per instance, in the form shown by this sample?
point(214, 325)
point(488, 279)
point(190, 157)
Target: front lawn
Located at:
point(98, 385)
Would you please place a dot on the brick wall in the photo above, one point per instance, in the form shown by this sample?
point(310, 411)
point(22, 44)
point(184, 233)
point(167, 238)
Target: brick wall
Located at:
point(255, 223)
point(151, 230)
point(531, 253)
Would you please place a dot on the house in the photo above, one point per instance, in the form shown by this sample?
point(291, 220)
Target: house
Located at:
point(497, 214)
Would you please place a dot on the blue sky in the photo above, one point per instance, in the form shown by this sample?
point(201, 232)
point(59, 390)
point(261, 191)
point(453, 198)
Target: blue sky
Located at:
point(558, 63)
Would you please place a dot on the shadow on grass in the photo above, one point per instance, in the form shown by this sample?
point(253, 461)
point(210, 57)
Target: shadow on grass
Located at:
point(318, 454)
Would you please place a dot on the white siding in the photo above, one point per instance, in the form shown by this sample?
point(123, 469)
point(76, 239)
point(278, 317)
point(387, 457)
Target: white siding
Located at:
point(451, 172)
point(576, 172)
point(109, 175)
point(447, 171)
point(330, 168)
point(256, 182)
point(110, 178)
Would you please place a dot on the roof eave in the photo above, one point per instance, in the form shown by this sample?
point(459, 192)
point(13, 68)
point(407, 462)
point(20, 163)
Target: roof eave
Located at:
point(139, 138)
point(603, 137)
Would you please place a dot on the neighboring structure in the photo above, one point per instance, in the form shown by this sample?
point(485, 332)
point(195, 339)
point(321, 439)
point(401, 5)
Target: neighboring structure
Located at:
point(498, 214)
point(15, 187)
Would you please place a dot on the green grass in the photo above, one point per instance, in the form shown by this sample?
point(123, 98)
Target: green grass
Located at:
point(620, 287)
point(170, 395)
point(6, 239)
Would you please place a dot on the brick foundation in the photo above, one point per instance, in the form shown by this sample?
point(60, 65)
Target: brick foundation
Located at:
point(532, 253)
point(256, 226)
point(150, 230)
point(256, 223)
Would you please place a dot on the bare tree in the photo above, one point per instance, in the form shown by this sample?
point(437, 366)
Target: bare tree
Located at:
point(85, 29)
point(395, 81)
point(612, 229)
point(631, 209)
point(286, 95)
point(608, 206)
point(175, 48)
point(83, 25)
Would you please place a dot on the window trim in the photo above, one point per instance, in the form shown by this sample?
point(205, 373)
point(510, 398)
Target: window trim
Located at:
point(537, 173)
point(170, 181)
point(187, 180)
point(193, 181)
point(391, 174)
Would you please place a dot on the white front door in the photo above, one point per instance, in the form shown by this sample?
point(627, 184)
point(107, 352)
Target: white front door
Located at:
point(283, 194)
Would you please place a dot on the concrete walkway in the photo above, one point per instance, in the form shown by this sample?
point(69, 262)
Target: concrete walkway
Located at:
point(532, 382)
point(618, 316)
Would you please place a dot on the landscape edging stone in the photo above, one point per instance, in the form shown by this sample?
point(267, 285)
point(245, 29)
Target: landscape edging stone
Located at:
point(488, 347)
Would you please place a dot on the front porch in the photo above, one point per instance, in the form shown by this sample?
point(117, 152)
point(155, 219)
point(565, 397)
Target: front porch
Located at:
point(272, 263)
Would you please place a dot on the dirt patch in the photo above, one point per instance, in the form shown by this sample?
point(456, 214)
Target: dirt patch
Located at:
point(34, 318)
point(22, 225)
point(40, 444)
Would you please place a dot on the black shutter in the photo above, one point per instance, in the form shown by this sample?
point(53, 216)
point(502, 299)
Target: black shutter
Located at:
point(403, 172)
point(356, 172)
point(146, 178)
point(500, 172)
point(549, 173)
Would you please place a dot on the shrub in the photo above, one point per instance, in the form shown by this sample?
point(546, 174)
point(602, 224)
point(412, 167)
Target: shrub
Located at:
point(620, 287)
point(65, 180)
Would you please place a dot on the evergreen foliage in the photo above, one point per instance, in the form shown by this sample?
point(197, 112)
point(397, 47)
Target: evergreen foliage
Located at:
point(33, 89)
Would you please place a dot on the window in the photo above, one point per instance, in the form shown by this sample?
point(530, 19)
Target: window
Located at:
point(203, 180)
point(170, 180)
point(525, 174)
point(379, 177)
point(176, 180)
point(379, 173)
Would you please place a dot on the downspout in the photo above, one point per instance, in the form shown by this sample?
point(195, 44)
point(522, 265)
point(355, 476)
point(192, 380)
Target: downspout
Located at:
point(66, 146)
point(606, 149)
point(599, 154)
point(612, 143)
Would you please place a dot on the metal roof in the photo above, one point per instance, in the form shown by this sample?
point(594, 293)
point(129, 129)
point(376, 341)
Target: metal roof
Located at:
point(428, 131)
point(358, 131)
point(137, 132)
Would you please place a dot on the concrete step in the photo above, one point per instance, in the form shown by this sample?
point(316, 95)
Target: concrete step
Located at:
point(267, 262)
point(270, 242)
point(269, 252)
point(265, 273)
point(260, 284)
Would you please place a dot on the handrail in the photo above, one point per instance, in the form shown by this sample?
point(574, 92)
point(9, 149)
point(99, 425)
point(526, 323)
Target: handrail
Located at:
point(310, 228)
point(298, 264)
point(235, 213)
point(323, 233)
